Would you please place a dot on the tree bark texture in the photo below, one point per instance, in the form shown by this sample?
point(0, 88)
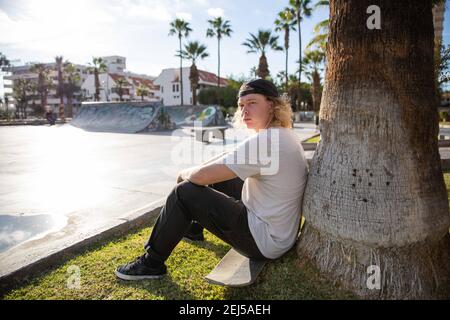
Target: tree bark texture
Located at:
point(375, 194)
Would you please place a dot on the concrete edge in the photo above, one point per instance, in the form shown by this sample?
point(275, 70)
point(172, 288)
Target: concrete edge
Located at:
point(31, 123)
point(135, 220)
point(310, 137)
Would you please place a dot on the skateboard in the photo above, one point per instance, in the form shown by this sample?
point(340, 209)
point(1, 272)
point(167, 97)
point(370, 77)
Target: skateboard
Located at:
point(235, 270)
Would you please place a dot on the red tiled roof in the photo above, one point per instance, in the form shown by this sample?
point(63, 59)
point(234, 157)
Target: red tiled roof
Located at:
point(116, 77)
point(211, 78)
point(145, 82)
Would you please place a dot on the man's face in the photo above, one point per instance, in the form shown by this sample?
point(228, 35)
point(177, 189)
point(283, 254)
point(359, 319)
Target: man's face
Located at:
point(255, 110)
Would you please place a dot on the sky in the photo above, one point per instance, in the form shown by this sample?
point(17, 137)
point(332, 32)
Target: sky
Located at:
point(39, 30)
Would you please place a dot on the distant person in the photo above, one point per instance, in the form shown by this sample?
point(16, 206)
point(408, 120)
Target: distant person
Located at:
point(49, 115)
point(238, 197)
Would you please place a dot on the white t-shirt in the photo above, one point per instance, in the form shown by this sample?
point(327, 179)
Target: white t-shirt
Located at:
point(273, 166)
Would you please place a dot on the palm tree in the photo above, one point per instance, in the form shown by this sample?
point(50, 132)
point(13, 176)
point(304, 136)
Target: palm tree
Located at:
point(193, 51)
point(60, 90)
point(375, 204)
point(219, 28)
point(142, 91)
point(302, 9)
point(98, 66)
point(72, 84)
point(258, 44)
point(312, 62)
point(120, 84)
point(286, 22)
point(22, 89)
point(180, 28)
point(44, 81)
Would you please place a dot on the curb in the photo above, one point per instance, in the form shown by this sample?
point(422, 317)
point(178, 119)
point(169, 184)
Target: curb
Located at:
point(132, 221)
point(38, 122)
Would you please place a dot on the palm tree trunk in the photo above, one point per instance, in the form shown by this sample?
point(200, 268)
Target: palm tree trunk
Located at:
point(70, 105)
point(97, 86)
point(263, 67)
point(218, 64)
point(286, 46)
point(181, 74)
point(315, 91)
point(194, 78)
point(299, 46)
point(375, 203)
point(61, 93)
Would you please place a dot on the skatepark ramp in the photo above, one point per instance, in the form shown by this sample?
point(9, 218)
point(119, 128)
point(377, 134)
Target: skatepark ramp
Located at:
point(125, 117)
point(135, 117)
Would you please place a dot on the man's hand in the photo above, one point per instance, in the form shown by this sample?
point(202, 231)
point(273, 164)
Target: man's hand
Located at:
point(183, 174)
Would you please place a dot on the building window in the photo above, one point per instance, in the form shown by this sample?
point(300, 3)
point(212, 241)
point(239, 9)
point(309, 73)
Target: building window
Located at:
point(178, 88)
point(162, 89)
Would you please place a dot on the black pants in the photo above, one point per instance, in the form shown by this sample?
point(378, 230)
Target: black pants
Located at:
point(217, 208)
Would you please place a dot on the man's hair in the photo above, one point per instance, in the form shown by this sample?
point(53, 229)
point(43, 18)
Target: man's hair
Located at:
point(281, 114)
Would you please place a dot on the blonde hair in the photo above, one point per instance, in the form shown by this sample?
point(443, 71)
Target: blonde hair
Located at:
point(281, 113)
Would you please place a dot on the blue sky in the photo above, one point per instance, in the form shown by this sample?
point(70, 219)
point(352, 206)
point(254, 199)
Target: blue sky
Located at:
point(38, 30)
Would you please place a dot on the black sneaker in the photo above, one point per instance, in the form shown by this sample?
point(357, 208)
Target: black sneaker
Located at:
point(195, 232)
point(195, 237)
point(138, 270)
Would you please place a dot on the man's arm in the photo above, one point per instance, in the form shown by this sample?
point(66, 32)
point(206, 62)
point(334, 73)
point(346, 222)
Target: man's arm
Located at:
point(207, 174)
point(215, 158)
point(180, 177)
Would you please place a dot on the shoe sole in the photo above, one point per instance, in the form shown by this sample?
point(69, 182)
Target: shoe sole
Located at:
point(194, 239)
point(136, 278)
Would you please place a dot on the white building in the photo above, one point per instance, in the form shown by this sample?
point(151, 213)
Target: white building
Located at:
point(170, 86)
point(109, 88)
point(6, 86)
point(24, 72)
point(116, 64)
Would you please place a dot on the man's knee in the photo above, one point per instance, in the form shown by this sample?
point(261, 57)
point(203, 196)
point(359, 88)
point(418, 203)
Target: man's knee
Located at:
point(187, 190)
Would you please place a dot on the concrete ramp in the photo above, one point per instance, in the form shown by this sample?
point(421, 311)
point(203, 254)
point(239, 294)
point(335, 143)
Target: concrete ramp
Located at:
point(124, 117)
point(134, 117)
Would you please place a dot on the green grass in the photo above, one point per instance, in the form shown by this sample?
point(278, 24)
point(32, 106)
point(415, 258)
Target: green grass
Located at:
point(314, 139)
point(286, 278)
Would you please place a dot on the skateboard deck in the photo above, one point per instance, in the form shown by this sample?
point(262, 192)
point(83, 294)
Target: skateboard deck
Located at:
point(235, 270)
